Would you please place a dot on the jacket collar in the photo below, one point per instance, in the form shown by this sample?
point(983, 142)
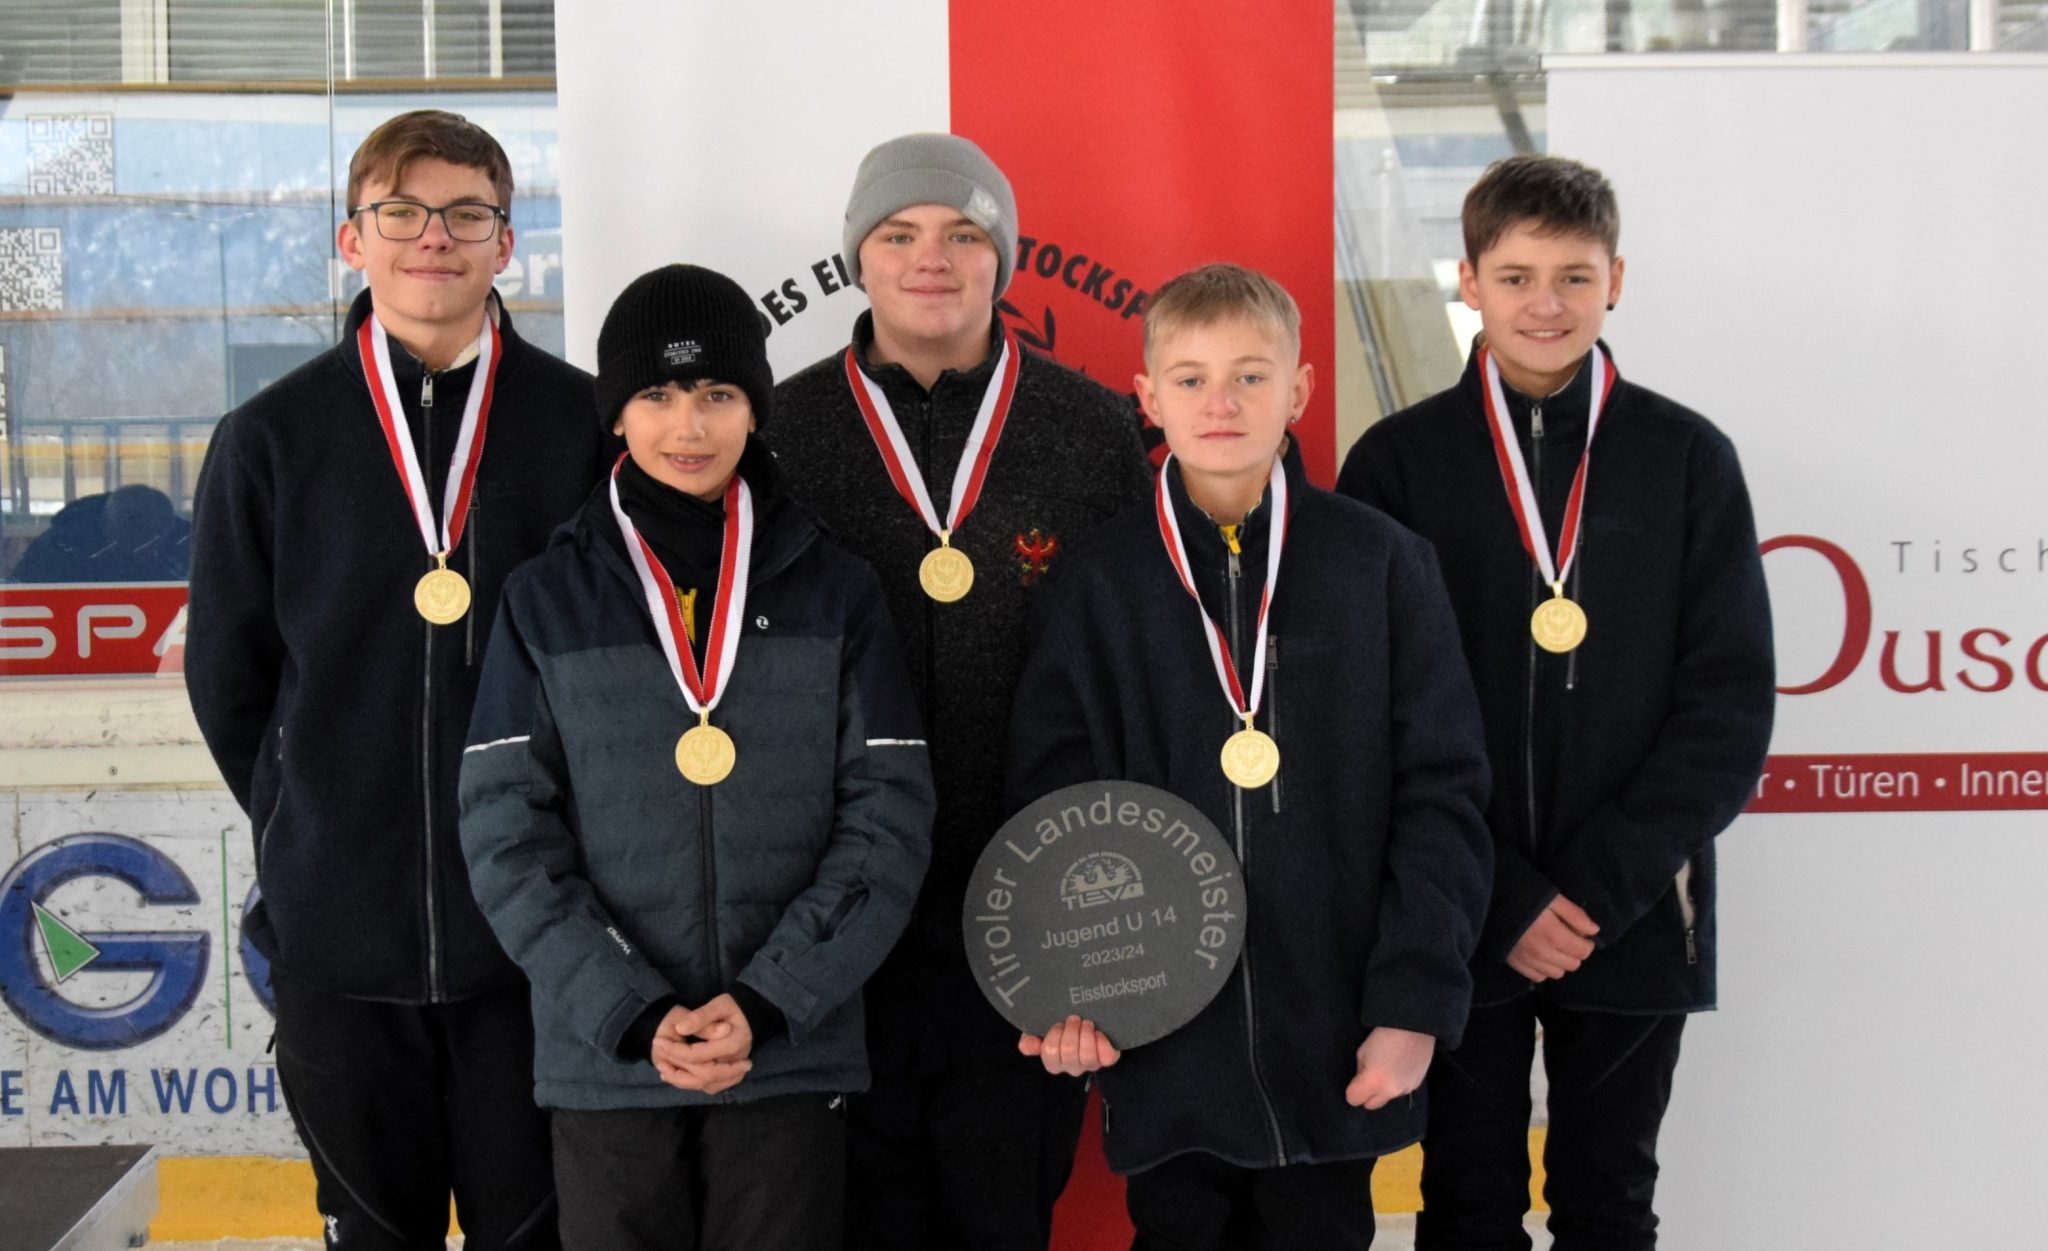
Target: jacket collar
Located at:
point(1204, 541)
point(1564, 412)
point(783, 525)
point(896, 381)
point(403, 363)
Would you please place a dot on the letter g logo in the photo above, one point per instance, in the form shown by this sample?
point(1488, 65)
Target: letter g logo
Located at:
point(175, 961)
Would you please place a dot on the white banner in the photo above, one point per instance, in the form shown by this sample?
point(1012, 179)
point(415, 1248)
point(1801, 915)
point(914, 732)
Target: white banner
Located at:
point(1839, 262)
point(730, 157)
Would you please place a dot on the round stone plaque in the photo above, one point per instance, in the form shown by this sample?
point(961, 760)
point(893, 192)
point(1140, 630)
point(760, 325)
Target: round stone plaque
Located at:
point(1112, 901)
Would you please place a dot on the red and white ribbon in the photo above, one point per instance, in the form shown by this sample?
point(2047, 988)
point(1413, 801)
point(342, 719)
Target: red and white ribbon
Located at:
point(700, 690)
point(374, 346)
point(974, 458)
point(1247, 706)
point(1514, 473)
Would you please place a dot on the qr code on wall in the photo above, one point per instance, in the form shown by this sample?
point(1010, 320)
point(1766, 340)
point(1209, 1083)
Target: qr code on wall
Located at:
point(71, 154)
point(31, 269)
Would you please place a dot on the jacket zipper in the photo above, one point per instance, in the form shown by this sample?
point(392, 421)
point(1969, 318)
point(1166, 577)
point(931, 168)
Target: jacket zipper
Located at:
point(931, 608)
point(1571, 664)
point(1251, 1035)
point(1273, 706)
point(277, 802)
point(710, 886)
point(1529, 712)
point(434, 988)
point(469, 618)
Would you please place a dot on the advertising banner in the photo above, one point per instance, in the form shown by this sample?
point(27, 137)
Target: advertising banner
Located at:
point(133, 1012)
point(1139, 142)
point(1837, 260)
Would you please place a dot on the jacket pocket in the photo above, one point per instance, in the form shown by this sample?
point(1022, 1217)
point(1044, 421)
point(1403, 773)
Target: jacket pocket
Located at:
point(1688, 911)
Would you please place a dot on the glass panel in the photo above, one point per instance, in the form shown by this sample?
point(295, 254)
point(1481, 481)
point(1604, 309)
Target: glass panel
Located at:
point(227, 41)
point(60, 41)
point(164, 255)
point(1889, 25)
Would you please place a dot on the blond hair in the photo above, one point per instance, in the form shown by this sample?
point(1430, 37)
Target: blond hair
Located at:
point(1219, 292)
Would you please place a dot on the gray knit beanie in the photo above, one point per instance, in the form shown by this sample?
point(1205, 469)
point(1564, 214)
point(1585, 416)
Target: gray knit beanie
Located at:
point(933, 169)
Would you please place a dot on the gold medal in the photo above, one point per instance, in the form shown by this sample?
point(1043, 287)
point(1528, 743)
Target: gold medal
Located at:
point(705, 754)
point(1558, 624)
point(946, 574)
point(1250, 758)
point(441, 595)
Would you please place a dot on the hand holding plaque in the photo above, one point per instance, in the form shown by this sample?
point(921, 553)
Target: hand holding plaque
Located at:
point(1103, 917)
point(1074, 1047)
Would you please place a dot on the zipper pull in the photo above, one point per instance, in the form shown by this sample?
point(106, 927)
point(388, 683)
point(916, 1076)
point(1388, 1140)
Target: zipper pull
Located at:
point(1536, 420)
point(427, 389)
point(1692, 947)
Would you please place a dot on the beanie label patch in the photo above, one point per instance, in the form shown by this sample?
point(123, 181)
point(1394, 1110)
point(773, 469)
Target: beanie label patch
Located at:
point(682, 352)
point(983, 209)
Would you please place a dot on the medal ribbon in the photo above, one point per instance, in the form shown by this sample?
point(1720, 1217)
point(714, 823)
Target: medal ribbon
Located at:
point(1514, 474)
point(700, 691)
point(374, 346)
point(1219, 644)
point(974, 458)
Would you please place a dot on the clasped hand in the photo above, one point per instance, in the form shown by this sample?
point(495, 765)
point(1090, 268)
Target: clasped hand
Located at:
point(704, 1049)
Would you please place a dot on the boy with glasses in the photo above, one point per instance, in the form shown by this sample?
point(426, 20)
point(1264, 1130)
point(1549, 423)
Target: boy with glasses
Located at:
point(352, 526)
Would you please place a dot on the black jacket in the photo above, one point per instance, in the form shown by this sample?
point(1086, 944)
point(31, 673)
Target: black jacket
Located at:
point(1365, 860)
point(335, 713)
point(1069, 459)
point(619, 885)
point(1615, 765)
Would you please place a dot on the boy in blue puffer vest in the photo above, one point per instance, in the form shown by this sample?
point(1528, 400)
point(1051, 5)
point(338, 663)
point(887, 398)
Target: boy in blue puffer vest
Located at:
point(696, 805)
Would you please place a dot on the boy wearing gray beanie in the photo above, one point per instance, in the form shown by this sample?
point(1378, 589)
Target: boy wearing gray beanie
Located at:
point(961, 467)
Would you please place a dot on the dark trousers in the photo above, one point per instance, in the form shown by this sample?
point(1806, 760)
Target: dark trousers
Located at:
point(765, 1176)
point(1610, 1082)
point(960, 1143)
point(1196, 1202)
point(401, 1105)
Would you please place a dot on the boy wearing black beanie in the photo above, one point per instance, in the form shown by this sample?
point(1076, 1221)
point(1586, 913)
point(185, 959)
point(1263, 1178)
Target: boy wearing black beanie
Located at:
point(696, 805)
point(963, 468)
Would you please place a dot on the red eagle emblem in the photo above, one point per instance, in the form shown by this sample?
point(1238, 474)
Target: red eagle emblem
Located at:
point(1035, 551)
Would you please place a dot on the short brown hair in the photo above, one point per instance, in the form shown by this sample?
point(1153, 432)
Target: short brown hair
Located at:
point(1560, 195)
point(1218, 292)
point(428, 134)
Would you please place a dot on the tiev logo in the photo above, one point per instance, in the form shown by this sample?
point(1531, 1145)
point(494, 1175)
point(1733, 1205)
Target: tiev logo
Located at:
point(684, 352)
point(1101, 878)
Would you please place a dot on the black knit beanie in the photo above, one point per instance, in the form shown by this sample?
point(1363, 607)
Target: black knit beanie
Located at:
point(681, 323)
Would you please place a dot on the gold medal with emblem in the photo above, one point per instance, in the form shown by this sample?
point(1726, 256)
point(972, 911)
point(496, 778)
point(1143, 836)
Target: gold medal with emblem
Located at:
point(1558, 625)
point(441, 595)
point(946, 573)
point(1250, 757)
point(705, 754)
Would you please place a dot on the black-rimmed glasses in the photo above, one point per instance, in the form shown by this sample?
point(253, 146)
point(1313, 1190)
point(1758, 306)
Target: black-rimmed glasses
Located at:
point(402, 221)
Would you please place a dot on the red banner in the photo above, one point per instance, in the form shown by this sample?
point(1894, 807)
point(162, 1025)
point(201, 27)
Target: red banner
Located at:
point(1916, 782)
point(1145, 138)
point(92, 630)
